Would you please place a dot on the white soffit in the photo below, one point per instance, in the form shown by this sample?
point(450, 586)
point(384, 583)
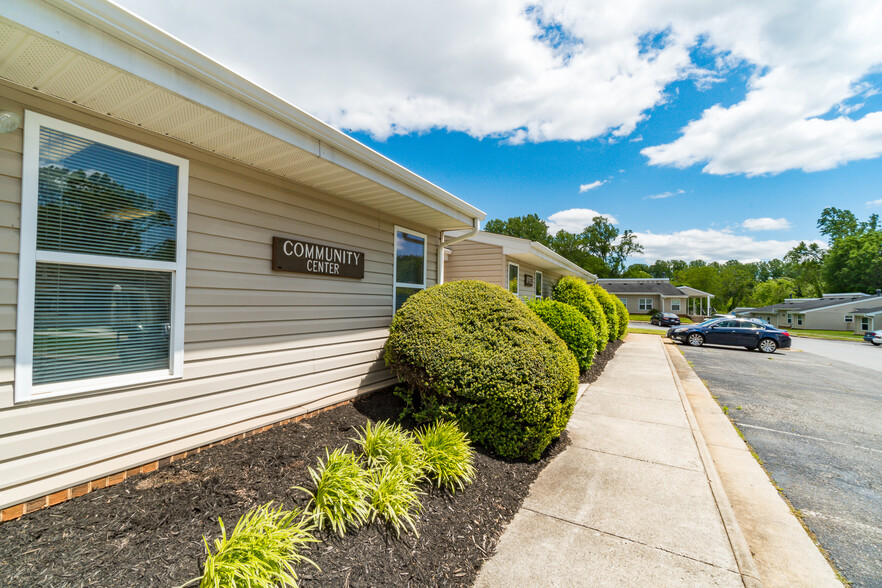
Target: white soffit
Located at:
point(98, 56)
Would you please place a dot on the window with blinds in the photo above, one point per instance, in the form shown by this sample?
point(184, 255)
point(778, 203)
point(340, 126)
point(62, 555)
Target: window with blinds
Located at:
point(102, 273)
point(410, 265)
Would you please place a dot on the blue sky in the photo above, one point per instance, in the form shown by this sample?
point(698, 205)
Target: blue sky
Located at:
point(713, 132)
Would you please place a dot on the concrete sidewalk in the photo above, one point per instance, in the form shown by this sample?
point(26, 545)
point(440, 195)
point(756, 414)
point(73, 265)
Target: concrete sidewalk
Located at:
point(634, 501)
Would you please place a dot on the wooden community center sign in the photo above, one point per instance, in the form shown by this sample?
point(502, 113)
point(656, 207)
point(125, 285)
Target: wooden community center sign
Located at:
point(291, 255)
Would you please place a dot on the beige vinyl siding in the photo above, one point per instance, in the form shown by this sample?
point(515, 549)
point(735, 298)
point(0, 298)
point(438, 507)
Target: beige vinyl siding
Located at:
point(832, 319)
point(633, 303)
point(10, 220)
point(260, 346)
point(529, 292)
point(470, 260)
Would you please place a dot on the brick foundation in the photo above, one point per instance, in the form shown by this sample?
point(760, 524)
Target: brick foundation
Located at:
point(18, 510)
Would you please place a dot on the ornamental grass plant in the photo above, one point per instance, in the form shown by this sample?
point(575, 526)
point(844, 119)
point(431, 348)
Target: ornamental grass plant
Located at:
point(387, 443)
point(261, 552)
point(449, 456)
point(395, 497)
point(342, 492)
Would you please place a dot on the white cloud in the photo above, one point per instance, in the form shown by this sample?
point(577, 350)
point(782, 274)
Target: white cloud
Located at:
point(808, 63)
point(664, 195)
point(875, 202)
point(766, 224)
point(591, 186)
point(711, 245)
point(544, 70)
point(574, 220)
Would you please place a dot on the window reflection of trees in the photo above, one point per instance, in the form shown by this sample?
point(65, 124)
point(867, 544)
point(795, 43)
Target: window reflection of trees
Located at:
point(93, 213)
point(410, 269)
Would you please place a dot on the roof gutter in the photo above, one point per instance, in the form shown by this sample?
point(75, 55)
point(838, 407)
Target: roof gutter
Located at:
point(439, 278)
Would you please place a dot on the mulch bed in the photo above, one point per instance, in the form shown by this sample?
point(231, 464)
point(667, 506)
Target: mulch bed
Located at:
point(600, 361)
point(147, 531)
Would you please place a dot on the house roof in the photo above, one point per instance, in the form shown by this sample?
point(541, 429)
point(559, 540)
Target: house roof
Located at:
point(102, 58)
point(868, 310)
point(533, 253)
point(648, 286)
point(813, 304)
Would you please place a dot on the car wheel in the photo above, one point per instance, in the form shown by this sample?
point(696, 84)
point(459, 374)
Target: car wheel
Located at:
point(696, 339)
point(876, 344)
point(768, 346)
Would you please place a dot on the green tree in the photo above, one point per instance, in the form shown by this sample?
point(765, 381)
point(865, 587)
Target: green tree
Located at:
point(526, 227)
point(735, 284)
point(804, 265)
point(773, 291)
point(570, 246)
point(637, 270)
point(836, 223)
point(602, 240)
point(854, 263)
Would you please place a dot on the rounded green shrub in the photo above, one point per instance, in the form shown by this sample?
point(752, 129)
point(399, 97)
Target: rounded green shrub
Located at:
point(570, 325)
point(608, 303)
point(473, 353)
point(624, 318)
point(576, 292)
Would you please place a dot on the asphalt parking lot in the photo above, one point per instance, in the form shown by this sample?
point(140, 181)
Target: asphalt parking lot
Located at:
point(816, 423)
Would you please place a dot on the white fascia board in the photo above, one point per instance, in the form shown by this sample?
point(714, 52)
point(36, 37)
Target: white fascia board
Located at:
point(849, 303)
point(556, 260)
point(533, 251)
point(117, 37)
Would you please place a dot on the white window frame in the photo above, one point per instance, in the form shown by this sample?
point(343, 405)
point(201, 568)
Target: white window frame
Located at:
point(789, 318)
point(624, 301)
point(508, 278)
point(673, 302)
point(395, 283)
point(868, 321)
point(25, 390)
point(642, 306)
point(538, 284)
point(849, 318)
point(799, 318)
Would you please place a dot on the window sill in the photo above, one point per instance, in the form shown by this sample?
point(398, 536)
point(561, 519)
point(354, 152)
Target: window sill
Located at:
point(82, 387)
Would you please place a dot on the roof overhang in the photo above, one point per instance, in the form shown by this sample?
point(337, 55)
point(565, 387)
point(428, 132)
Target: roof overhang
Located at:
point(851, 303)
point(100, 57)
point(533, 253)
point(694, 292)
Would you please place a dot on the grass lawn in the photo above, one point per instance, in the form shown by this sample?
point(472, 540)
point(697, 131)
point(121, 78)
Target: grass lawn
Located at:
point(645, 318)
point(819, 334)
point(648, 332)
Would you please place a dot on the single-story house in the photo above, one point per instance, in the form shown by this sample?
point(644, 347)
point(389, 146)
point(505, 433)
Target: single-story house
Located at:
point(832, 312)
point(640, 295)
point(184, 257)
point(526, 268)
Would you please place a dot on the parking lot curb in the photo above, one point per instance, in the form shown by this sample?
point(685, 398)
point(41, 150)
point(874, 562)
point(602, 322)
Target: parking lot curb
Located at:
point(740, 548)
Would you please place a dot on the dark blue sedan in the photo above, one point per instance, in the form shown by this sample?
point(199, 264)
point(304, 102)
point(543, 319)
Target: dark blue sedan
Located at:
point(725, 331)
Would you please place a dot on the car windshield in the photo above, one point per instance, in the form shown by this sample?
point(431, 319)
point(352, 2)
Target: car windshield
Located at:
point(709, 321)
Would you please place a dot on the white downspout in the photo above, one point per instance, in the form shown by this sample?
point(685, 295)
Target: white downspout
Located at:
point(439, 271)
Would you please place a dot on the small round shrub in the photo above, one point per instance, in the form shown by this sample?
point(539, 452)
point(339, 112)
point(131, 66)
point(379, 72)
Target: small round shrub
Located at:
point(474, 353)
point(624, 318)
point(608, 303)
point(570, 325)
point(576, 292)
